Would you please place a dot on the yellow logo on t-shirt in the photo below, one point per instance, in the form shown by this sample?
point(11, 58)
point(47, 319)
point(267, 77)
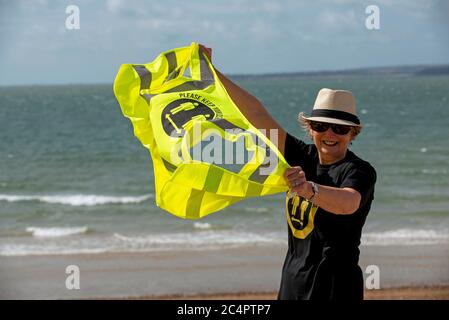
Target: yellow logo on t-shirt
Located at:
point(300, 214)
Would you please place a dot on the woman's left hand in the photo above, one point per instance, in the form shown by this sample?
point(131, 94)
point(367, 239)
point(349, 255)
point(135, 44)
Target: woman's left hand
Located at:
point(296, 179)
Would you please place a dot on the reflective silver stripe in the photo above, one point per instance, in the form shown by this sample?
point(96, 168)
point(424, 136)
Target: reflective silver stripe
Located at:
point(147, 97)
point(254, 190)
point(172, 75)
point(145, 80)
point(206, 73)
point(169, 166)
point(194, 204)
point(145, 76)
point(191, 85)
point(225, 124)
point(207, 78)
point(172, 63)
point(213, 179)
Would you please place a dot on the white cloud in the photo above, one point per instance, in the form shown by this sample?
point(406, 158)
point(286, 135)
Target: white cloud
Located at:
point(116, 31)
point(260, 30)
point(32, 5)
point(270, 7)
point(338, 20)
point(36, 30)
point(407, 4)
point(115, 5)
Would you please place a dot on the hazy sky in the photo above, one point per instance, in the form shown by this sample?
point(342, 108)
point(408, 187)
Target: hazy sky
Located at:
point(246, 36)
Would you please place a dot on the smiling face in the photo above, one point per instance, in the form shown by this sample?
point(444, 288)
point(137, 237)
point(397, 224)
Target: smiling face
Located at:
point(331, 147)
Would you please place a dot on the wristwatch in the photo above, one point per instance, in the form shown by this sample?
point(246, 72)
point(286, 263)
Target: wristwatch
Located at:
point(314, 190)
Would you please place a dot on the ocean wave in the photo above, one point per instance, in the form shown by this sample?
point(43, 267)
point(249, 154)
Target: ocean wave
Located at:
point(201, 240)
point(434, 171)
point(53, 232)
point(202, 225)
point(18, 250)
point(77, 199)
point(120, 243)
point(406, 237)
point(256, 209)
point(59, 241)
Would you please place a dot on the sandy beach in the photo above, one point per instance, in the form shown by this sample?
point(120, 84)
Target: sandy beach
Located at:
point(401, 293)
point(406, 272)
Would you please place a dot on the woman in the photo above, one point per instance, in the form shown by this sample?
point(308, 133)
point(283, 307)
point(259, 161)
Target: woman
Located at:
point(334, 190)
point(331, 194)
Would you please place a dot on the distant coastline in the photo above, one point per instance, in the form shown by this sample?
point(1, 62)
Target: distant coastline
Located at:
point(408, 70)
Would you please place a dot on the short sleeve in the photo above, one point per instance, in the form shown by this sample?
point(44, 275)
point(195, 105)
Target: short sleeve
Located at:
point(361, 176)
point(296, 152)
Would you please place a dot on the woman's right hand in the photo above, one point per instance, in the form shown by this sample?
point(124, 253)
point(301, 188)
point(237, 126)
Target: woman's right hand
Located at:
point(294, 176)
point(296, 180)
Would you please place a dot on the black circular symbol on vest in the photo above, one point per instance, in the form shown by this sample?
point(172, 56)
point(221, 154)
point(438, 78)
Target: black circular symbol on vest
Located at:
point(177, 113)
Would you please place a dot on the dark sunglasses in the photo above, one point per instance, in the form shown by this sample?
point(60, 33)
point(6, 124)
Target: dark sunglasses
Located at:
point(323, 126)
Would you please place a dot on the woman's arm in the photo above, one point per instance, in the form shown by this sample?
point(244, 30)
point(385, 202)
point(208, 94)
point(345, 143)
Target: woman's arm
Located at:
point(336, 200)
point(331, 199)
point(254, 111)
point(251, 108)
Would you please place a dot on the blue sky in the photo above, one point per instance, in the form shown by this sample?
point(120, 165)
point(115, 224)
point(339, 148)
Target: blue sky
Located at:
point(246, 36)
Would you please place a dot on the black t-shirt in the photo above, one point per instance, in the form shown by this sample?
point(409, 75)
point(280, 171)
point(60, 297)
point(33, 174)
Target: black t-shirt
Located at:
point(323, 254)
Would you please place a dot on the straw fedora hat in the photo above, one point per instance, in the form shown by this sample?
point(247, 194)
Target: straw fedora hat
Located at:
point(334, 106)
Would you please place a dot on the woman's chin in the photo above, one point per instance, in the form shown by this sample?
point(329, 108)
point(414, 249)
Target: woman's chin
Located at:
point(331, 154)
point(329, 150)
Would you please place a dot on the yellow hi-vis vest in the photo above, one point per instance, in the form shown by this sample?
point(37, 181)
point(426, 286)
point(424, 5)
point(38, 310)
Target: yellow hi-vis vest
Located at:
point(206, 154)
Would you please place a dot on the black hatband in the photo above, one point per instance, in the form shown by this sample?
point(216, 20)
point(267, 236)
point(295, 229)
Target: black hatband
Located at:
point(342, 115)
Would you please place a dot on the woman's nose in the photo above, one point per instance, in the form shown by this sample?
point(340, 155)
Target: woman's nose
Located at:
point(329, 133)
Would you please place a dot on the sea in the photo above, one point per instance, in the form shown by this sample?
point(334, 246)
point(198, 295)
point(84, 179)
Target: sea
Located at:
point(74, 179)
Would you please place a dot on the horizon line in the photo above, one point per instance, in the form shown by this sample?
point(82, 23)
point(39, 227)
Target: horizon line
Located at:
point(328, 72)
